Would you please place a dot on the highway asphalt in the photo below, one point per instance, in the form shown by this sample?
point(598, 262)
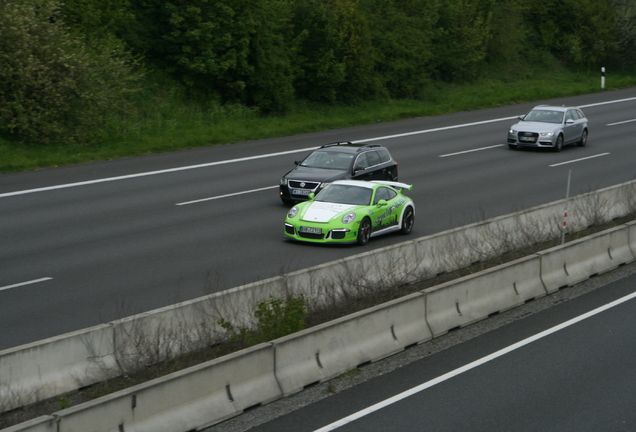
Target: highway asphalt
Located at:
point(86, 244)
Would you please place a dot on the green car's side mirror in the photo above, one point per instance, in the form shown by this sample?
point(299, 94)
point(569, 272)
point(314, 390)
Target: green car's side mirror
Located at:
point(382, 203)
point(311, 196)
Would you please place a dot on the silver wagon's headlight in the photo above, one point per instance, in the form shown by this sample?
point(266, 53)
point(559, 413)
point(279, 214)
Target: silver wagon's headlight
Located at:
point(547, 134)
point(293, 212)
point(348, 218)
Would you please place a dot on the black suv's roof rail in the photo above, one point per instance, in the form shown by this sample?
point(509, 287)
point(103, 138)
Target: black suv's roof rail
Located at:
point(349, 143)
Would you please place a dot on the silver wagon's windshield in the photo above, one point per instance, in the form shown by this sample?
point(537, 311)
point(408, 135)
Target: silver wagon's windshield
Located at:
point(345, 194)
point(544, 116)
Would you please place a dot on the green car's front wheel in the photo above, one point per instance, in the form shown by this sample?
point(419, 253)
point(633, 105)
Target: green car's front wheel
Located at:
point(364, 232)
point(408, 219)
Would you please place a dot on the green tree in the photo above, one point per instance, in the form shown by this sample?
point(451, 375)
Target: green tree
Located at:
point(461, 38)
point(53, 85)
point(577, 32)
point(232, 50)
point(625, 22)
point(508, 41)
point(356, 52)
point(319, 67)
point(335, 58)
point(271, 85)
point(99, 19)
point(402, 37)
point(209, 43)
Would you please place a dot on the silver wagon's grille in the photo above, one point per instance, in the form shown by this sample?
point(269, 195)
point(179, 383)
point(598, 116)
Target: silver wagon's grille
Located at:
point(529, 137)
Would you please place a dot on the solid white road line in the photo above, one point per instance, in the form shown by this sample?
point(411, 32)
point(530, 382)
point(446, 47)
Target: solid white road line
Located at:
point(150, 173)
point(578, 160)
point(184, 168)
point(470, 366)
point(24, 283)
point(621, 122)
point(608, 102)
point(470, 151)
point(226, 196)
point(437, 129)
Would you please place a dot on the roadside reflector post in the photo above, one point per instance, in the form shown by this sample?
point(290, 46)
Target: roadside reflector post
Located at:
point(565, 212)
point(603, 78)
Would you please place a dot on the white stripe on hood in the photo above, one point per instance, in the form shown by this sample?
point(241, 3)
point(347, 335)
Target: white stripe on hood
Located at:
point(324, 211)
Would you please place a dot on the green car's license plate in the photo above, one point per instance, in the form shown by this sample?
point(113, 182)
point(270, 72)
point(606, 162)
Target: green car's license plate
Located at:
point(310, 230)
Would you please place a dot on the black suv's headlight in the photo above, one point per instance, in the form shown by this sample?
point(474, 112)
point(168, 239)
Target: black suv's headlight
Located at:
point(283, 181)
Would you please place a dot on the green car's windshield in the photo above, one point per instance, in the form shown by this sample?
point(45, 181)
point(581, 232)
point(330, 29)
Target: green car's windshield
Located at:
point(544, 116)
point(345, 194)
point(328, 160)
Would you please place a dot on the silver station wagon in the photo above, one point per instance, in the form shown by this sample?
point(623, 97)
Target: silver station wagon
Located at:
point(549, 127)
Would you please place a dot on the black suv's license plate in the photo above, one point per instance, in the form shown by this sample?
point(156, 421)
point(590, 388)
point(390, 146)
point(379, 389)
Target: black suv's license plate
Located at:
point(310, 230)
point(301, 191)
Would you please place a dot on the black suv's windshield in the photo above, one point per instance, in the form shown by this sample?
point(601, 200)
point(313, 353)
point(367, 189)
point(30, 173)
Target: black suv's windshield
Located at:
point(544, 116)
point(345, 194)
point(328, 160)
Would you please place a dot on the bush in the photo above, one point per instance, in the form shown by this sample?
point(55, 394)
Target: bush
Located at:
point(625, 18)
point(275, 318)
point(54, 85)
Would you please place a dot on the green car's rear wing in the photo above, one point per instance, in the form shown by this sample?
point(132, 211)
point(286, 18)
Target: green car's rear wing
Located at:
point(394, 184)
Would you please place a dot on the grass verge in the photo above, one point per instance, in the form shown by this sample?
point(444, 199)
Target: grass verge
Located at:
point(161, 121)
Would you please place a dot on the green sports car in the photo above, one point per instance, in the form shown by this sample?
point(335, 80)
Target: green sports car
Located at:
point(352, 211)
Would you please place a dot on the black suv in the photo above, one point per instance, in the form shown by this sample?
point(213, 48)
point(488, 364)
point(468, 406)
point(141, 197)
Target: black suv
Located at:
point(336, 161)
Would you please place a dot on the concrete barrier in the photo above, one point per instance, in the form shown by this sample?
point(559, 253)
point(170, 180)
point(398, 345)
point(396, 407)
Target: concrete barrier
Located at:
point(632, 237)
point(325, 351)
point(463, 301)
point(40, 424)
point(576, 261)
point(186, 400)
point(477, 242)
point(603, 205)
point(47, 368)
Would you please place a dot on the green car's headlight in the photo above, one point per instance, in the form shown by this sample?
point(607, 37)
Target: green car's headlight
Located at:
point(348, 218)
point(293, 212)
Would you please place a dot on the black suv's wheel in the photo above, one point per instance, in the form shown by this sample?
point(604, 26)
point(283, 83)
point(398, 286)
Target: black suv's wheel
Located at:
point(408, 219)
point(364, 232)
point(287, 202)
point(559, 144)
point(583, 139)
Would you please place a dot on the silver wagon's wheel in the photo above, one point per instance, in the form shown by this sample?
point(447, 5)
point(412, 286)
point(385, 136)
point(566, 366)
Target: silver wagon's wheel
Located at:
point(583, 139)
